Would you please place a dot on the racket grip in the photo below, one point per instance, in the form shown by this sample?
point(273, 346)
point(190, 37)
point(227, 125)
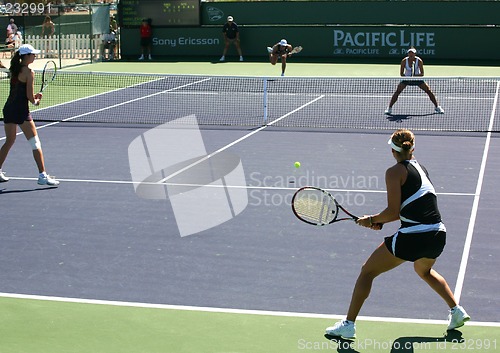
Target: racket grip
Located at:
point(377, 226)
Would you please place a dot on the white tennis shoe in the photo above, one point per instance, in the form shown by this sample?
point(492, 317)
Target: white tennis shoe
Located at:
point(343, 328)
point(388, 111)
point(269, 50)
point(3, 177)
point(439, 110)
point(45, 179)
point(457, 317)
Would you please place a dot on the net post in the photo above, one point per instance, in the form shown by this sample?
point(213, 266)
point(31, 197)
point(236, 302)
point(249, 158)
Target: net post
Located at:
point(265, 100)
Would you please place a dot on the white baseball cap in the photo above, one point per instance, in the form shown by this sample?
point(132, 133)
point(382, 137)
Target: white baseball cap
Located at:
point(28, 49)
point(413, 50)
point(229, 18)
point(283, 42)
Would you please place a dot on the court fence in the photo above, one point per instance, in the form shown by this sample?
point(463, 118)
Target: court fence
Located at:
point(61, 32)
point(68, 46)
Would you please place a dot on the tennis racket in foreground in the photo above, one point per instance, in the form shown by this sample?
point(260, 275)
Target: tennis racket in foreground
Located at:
point(318, 207)
point(296, 50)
point(48, 74)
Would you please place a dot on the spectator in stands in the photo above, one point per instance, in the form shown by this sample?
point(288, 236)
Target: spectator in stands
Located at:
point(146, 31)
point(231, 36)
point(16, 111)
point(14, 41)
point(48, 29)
point(411, 66)
point(280, 50)
point(114, 27)
point(18, 39)
point(10, 40)
point(113, 24)
point(11, 27)
point(109, 43)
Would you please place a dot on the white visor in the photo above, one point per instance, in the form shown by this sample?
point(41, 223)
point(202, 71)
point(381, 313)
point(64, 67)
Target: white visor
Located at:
point(397, 148)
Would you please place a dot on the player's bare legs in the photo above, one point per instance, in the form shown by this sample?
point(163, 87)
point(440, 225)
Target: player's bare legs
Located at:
point(380, 261)
point(396, 94)
point(423, 267)
point(425, 87)
point(29, 130)
point(273, 59)
point(10, 138)
point(283, 63)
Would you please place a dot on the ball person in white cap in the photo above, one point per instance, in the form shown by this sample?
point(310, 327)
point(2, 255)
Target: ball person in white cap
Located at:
point(231, 35)
point(412, 65)
point(280, 50)
point(16, 111)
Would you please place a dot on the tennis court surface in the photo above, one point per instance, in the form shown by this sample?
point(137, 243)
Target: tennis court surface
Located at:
point(172, 231)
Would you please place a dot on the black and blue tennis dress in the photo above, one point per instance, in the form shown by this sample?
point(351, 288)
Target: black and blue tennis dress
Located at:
point(422, 233)
point(16, 109)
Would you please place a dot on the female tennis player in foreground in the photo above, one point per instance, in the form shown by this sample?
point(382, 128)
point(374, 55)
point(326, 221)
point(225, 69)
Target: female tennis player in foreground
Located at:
point(16, 111)
point(420, 239)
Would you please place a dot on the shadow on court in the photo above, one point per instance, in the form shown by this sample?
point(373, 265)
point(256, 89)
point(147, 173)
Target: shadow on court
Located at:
point(406, 344)
point(19, 191)
point(402, 117)
point(344, 346)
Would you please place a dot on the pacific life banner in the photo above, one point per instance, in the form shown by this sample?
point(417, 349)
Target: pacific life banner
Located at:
point(454, 43)
point(364, 42)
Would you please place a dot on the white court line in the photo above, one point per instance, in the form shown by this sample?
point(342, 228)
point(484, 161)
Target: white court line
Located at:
point(475, 205)
point(250, 187)
point(238, 140)
point(233, 311)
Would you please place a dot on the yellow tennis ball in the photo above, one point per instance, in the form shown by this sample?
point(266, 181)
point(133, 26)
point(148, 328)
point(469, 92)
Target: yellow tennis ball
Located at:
point(297, 164)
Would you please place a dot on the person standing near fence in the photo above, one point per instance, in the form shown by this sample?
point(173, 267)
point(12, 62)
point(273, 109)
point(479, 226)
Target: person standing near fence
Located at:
point(231, 35)
point(146, 32)
point(113, 25)
point(109, 43)
point(11, 27)
point(16, 111)
point(48, 29)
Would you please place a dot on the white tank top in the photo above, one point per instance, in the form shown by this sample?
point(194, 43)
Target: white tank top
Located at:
point(408, 70)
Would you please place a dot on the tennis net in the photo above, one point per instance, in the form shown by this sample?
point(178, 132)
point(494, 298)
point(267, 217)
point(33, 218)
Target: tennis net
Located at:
point(295, 102)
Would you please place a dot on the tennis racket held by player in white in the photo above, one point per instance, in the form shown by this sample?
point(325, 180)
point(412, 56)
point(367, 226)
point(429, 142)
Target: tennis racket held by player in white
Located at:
point(295, 50)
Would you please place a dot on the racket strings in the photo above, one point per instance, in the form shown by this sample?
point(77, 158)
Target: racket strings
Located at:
point(48, 74)
point(315, 207)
